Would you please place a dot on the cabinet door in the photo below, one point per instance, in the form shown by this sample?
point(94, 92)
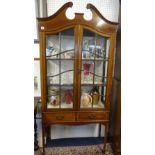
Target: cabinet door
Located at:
point(60, 56)
point(94, 61)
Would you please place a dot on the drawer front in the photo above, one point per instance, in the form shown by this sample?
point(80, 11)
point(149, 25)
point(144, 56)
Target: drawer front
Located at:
point(91, 116)
point(58, 117)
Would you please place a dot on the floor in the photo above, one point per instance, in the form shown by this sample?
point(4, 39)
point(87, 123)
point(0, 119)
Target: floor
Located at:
point(76, 146)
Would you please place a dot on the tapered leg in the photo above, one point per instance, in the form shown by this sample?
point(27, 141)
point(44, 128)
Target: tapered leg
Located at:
point(43, 138)
point(99, 130)
point(49, 132)
point(105, 137)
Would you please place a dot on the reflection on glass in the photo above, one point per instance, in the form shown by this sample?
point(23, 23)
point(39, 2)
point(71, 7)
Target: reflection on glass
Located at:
point(52, 46)
point(67, 72)
point(100, 77)
point(100, 47)
point(67, 44)
point(88, 45)
point(52, 72)
point(60, 45)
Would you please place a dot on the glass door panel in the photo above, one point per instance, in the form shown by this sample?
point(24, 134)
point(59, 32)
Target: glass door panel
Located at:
point(88, 45)
point(53, 46)
point(67, 44)
point(93, 70)
point(60, 69)
point(99, 76)
point(67, 72)
point(53, 72)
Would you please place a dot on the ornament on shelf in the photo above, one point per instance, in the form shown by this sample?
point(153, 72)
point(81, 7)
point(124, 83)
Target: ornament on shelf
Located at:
point(88, 72)
point(68, 96)
point(86, 99)
point(95, 95)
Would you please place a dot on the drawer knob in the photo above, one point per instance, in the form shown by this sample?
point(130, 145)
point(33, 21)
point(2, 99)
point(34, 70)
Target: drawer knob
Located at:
point(92, 116)
point(59, 117)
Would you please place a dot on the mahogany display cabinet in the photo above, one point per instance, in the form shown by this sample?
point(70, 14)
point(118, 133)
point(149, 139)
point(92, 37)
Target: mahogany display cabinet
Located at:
point(76, 61)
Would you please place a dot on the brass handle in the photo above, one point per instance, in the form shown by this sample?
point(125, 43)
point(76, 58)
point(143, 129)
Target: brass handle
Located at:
point(92, 116)
point(59, 117)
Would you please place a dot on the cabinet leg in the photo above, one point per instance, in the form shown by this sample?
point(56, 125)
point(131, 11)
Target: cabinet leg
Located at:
point(43, 139)
point(99, 130)
point(105, 137)
point(49, 132)
point(42, 153)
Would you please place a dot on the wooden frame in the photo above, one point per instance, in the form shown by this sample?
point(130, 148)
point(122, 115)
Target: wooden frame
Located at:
point(53, 24)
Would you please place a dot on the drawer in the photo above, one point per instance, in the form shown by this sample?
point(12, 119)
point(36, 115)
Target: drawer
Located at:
point(90, 116)
point(58, 117)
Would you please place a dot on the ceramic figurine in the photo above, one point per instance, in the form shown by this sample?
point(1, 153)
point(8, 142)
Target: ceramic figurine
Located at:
point(54, 100)
point(86, 99)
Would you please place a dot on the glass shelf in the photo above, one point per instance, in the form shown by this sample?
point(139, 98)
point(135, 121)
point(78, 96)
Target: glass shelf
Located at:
point(67, 54)
point(57, 59)
point(91, 84)
point(92, 59)
point(99, 105)
point(63, 106)
point(57, 84)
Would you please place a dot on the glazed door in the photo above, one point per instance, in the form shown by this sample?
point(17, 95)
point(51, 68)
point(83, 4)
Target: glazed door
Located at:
point(60, 56)
point(93, 70)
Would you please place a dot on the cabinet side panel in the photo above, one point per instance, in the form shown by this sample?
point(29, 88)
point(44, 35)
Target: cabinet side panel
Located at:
point(42, 69)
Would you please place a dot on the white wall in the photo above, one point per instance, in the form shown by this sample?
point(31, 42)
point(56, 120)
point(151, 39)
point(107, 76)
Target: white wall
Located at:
point(108, 8)
point(63, 131)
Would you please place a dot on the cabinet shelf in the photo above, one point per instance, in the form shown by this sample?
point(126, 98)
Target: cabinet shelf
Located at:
point(72, 59)
point(82, 84)
point(55, 84)
point(91, 84)
point(106, 59)
point(90, 106)
point(62, 106)
point(57, 59)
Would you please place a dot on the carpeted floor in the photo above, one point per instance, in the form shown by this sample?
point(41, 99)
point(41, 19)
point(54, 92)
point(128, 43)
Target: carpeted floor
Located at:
point(75, 146)
point(76, 150)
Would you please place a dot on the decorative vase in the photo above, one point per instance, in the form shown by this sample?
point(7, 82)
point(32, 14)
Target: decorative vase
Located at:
point(95, 95)
point(68, 97)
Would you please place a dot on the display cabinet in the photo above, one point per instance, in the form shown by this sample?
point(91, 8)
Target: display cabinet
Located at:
point(76, 60)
